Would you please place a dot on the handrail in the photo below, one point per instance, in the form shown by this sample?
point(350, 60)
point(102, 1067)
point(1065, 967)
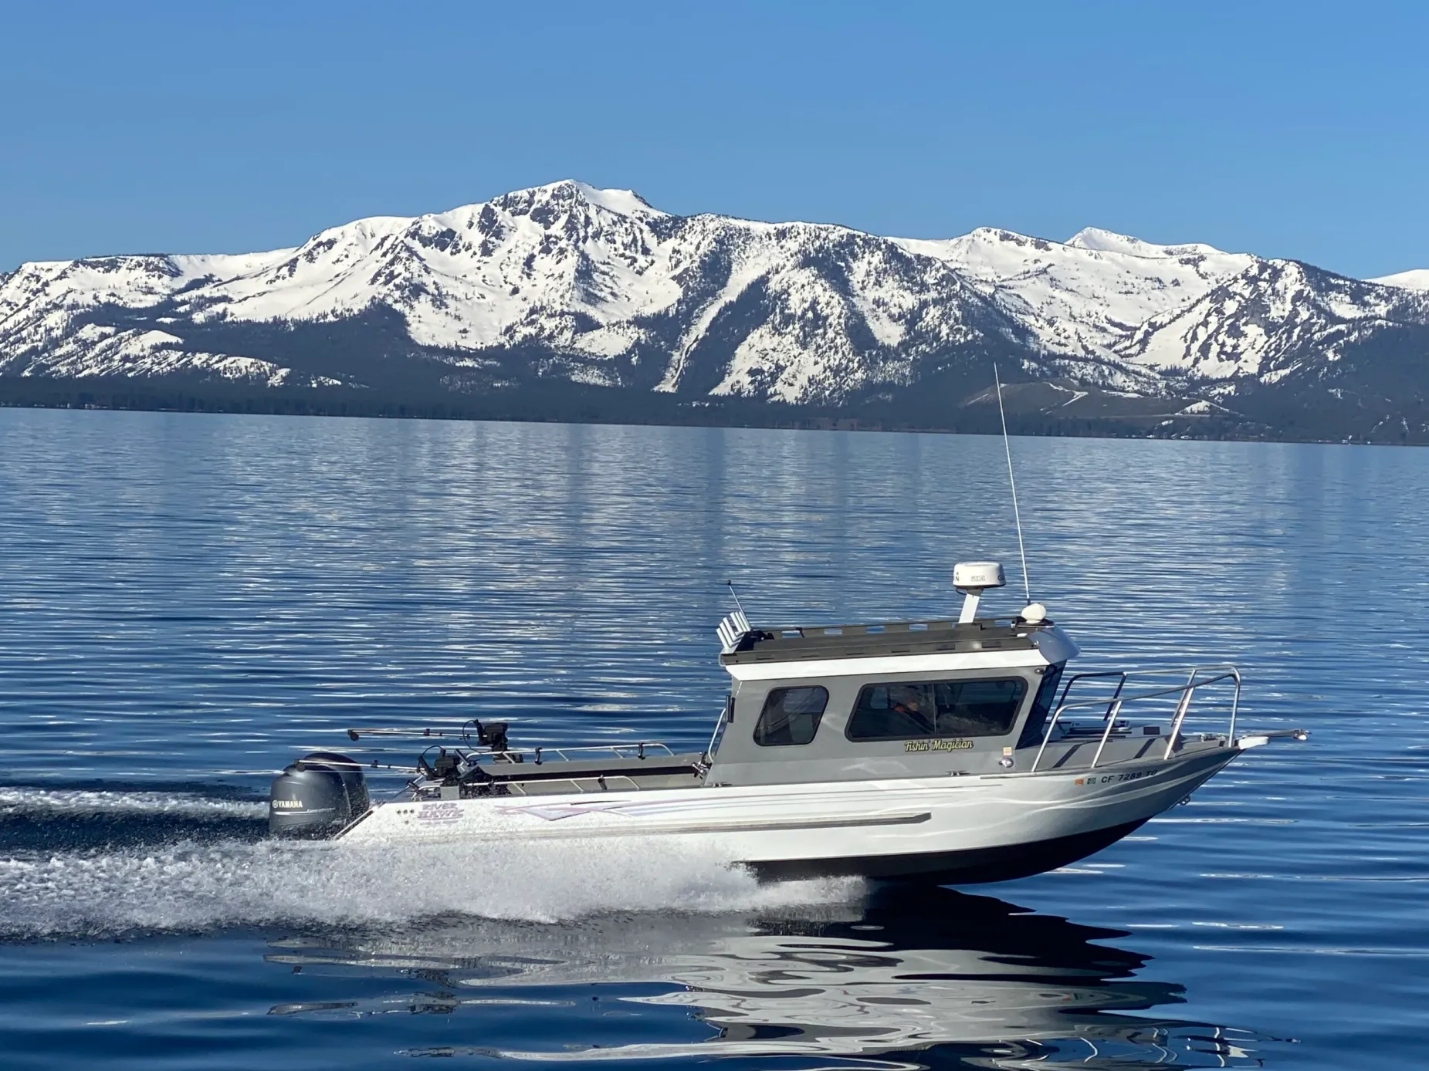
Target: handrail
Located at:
point(1110, 719)
point(1230, 673)
point(1122, 673)
point(464, 734)
point(1222, 671)
point(877, 628)
point(574, 780)
point(564, 753)
point(725, 717)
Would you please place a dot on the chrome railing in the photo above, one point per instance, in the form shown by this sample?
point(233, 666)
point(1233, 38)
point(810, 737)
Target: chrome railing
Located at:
point(1120, 698)
point(580, 783)
point(636, 750)
point(598, 781)
point(878, 628)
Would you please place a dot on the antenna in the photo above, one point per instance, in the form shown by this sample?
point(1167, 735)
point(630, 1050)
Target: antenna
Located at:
point(1012, 482)
point(734, 594)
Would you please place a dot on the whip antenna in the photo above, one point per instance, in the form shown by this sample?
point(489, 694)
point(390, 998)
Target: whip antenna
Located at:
point(730, 584)
point(1012, 482)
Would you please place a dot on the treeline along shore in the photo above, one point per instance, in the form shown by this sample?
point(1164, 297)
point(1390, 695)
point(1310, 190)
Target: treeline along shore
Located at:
point(563, 402)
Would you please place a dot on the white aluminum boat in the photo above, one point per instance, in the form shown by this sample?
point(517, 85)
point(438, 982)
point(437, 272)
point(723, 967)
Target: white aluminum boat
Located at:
point(946, 751)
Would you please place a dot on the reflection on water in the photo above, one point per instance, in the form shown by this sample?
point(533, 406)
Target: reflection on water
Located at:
point(914, 978)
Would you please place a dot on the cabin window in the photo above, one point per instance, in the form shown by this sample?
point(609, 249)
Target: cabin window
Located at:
point(790, 716)
point(905, 710)
point(1042, 707)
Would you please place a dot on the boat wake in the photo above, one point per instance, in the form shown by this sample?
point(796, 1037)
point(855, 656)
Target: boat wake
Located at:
point(80, 801)
point(106, 815)
point(58, 878)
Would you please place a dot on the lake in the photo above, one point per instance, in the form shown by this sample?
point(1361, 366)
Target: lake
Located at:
point(188, 602)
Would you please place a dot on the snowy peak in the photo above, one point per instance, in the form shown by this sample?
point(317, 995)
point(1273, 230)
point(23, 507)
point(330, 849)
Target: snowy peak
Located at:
point(465, 277)
point(1418, 279)
point(1094, 238)
point(569, 194)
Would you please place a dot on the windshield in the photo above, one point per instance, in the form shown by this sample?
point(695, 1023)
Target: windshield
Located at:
point(906, 710)
point(1042, 707)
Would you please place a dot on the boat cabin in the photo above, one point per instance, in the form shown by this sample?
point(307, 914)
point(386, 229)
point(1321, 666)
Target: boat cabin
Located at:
point(891, 700)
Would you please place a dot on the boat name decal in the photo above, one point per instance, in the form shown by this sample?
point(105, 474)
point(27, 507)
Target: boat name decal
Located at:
point(439, 812)
point(937, 745)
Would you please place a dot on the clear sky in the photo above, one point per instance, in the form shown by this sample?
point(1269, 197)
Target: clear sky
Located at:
point(1285, 129)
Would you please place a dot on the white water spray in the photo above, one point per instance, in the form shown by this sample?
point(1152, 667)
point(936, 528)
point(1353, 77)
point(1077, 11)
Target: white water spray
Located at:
point(195, 886)
point(56, 802)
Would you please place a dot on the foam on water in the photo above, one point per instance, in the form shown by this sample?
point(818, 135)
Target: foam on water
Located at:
point(59, 802)
point(193, 886)
point(170, 860)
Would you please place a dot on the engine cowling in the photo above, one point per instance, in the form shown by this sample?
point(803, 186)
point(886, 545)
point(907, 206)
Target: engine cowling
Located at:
point(316, 796)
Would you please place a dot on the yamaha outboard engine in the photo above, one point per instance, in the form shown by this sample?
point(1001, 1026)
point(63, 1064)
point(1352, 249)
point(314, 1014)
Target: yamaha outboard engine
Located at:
point(317, 795)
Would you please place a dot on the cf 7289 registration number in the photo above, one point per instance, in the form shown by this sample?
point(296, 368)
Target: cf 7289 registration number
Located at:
point(1113, 778)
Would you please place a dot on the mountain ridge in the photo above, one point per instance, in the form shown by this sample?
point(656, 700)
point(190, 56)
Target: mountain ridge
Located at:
point(599, 287)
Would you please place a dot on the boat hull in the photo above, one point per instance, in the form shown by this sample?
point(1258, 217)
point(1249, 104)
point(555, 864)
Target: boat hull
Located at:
point(971, 866)
point(949, 830)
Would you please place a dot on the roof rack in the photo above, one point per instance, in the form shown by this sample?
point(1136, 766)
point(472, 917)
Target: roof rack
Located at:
point(805, 642)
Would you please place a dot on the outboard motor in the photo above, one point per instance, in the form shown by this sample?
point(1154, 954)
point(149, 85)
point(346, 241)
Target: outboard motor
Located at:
point(317, 795)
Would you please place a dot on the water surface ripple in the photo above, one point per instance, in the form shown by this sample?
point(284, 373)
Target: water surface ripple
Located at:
point(188, 601)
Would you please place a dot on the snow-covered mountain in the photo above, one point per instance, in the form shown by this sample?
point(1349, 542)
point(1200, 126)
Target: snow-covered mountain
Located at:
point(593, 285)
point(1084, 297)
point(596, 286)
point(1418, 279)
point(1274, 319)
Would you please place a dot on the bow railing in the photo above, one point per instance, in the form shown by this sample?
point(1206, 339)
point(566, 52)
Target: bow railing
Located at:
point(1175, 699)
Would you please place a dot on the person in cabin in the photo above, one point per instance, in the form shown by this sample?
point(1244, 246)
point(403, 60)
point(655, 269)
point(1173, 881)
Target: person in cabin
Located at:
point(909, 703)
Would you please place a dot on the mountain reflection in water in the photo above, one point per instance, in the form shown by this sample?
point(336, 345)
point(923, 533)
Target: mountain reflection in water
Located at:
point(926, 978)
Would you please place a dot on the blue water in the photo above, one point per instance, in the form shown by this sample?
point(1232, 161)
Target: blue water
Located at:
point(186, 602)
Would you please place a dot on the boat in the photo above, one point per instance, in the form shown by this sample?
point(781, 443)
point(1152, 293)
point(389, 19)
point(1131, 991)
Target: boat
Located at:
point(951, 751)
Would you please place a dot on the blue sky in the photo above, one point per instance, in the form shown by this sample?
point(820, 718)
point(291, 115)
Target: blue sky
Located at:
point(1297, 130)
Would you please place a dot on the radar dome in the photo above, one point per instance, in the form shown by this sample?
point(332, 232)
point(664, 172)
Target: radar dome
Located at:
point(978, 575)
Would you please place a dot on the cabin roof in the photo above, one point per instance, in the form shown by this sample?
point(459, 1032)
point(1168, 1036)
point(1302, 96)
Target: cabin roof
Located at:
point(822, 642)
